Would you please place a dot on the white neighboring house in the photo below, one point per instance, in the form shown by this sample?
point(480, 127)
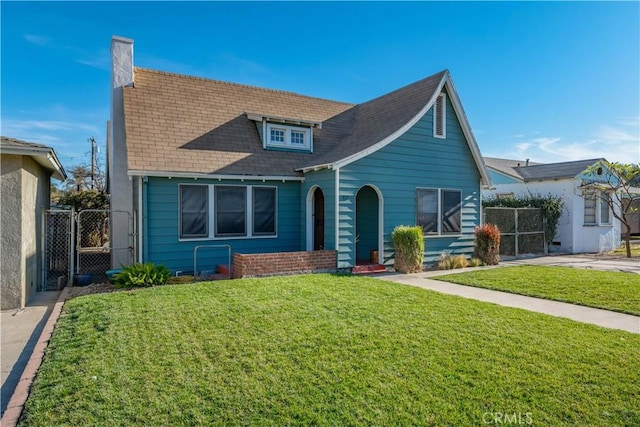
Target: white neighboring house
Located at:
point(586, 225)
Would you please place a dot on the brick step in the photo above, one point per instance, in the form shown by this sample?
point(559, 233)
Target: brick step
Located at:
point(368, 268)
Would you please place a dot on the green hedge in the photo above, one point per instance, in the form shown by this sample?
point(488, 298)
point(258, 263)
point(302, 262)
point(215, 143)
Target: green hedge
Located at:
point(408, 242)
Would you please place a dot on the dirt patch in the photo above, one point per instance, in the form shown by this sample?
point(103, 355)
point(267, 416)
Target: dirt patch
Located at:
point(94, 288)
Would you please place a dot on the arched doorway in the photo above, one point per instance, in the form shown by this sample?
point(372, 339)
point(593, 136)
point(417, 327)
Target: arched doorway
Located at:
point(368, 212)
point(318, 219)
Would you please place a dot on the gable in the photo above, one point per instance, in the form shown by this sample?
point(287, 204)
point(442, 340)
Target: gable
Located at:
point(501, 178)
point(454, 108)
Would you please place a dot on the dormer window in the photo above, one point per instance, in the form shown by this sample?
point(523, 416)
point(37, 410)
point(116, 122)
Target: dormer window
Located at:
point(283, 136)
point(440, 116)
point(277, 135)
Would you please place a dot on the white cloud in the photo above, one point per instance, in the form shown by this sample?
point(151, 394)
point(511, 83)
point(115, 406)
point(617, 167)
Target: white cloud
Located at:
point(37, 39)
point(100, 60)
point(633, 121)
point(12, 126)
point(65, 131)
point(613, 144)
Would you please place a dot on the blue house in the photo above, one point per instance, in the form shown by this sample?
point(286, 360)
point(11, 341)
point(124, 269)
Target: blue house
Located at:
point(205, 162)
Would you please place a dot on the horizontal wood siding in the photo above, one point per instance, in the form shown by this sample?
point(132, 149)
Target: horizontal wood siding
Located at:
point(416, 159)
point(325, 179)
point(162, 228)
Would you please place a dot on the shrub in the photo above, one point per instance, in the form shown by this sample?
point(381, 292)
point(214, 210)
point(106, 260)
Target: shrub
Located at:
point(475, 262)
point(408, 243)
point(142, 275)
point(487, 247)
point(551, 206)
point(450, 262)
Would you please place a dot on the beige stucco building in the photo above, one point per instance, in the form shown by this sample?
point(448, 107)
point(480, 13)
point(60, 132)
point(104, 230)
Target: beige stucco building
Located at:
point(25, 173)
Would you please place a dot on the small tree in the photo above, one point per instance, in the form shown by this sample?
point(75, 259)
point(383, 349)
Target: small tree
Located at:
point(616, 185)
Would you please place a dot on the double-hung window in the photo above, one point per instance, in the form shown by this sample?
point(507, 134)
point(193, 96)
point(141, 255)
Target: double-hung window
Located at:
point(264, 211)
point(439, 211)
point(596, 207)
point(230, 211)
point(194, 211)
point(227, 211)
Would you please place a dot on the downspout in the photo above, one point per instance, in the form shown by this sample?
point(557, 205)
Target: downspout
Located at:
point(43, 251)
point(140, 214)
point(337, 217)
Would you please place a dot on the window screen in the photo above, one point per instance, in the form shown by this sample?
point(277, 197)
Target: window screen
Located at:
point(451, 210)
point(231, 211)
point(589, 207)
point(264, 211)
point(194, 202)
point(427, 210)
point(604, 209)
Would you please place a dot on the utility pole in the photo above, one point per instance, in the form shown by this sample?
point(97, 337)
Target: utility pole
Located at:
point(93, 161)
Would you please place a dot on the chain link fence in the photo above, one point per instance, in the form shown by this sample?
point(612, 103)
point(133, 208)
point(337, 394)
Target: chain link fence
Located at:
point(83, 243)
point(521, 230)
point(57, 260)
point(96, 244)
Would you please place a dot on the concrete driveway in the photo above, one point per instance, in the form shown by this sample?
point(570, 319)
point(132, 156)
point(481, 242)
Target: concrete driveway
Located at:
point(592, 262)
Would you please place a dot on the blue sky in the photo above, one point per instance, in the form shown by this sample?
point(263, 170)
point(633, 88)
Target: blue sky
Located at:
point(547, 81)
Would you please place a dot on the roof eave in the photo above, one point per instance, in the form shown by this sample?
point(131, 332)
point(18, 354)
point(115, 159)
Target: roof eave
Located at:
point(45, 156)
point(220, 177)
point(395, 135)
point(316, 167)
point(485, 178)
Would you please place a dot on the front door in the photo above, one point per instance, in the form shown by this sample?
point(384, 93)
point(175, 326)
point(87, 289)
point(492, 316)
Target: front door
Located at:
point(318, 220)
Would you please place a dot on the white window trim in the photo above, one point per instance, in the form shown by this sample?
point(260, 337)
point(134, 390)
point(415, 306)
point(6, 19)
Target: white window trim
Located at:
point(308, 135)
point(209, 205)
point(598, 209)
point(439, 218)
point(436, 112)
point(211, 215)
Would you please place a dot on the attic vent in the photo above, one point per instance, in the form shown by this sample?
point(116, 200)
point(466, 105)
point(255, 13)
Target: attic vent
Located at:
point(440, 117)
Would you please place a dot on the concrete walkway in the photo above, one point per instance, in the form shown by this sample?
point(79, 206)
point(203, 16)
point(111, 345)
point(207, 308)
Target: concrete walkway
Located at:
point(20, 330)
point(605, 318)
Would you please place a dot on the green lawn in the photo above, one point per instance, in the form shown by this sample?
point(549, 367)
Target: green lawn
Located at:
point(616, 291)
point(326, 350)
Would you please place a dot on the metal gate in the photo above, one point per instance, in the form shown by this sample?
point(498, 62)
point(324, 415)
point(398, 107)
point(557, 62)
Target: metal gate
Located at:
point(521, 230)
point(99, 245)
point(57, 249)
point(83, 243)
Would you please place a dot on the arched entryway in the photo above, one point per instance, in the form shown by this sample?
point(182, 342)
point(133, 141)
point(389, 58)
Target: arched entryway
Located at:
point(315, 219)
point(368, 225)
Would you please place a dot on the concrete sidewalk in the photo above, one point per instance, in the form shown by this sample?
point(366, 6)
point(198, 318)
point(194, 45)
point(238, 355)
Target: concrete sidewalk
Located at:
point(20, 330)
point(607, 319)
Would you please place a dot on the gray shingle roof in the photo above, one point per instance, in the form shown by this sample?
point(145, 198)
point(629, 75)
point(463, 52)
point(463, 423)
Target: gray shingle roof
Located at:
point(42, 154)
point(188, 124)
point(539, 171)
